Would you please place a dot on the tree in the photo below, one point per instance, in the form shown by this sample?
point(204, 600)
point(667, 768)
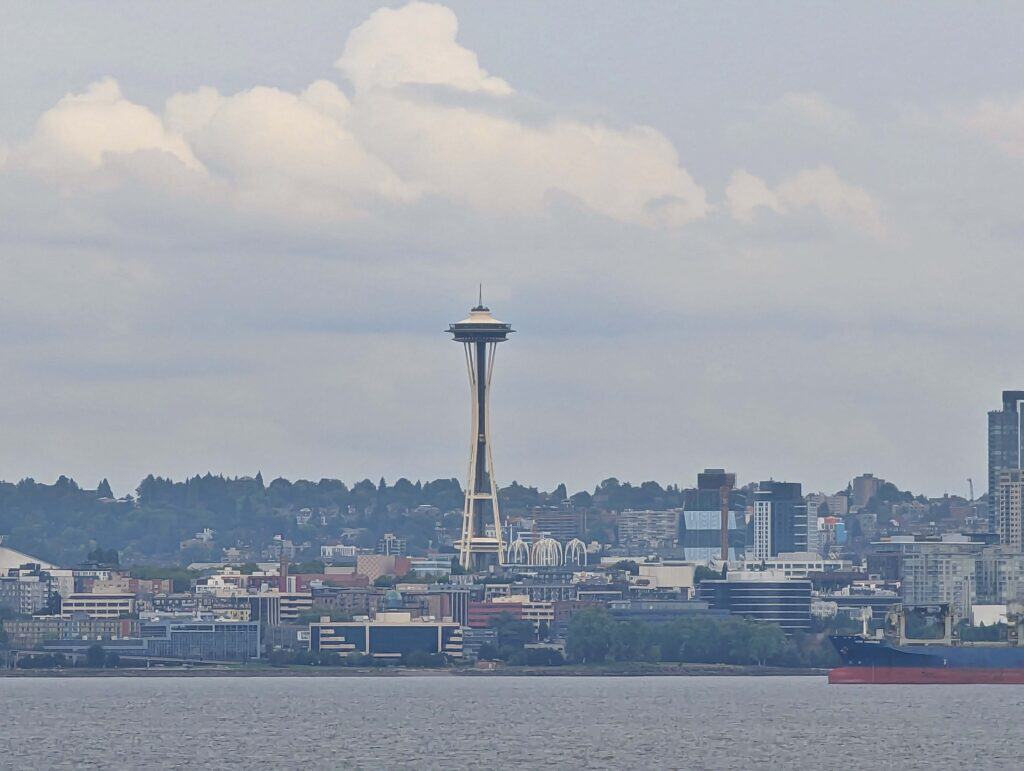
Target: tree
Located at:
point(105, 557)
point(103, 490)
point(95, 657)
point(630, 641)
point(704, 573)
point(588, 640)
point(487, 652)
point(764, 641)
point(512, 632)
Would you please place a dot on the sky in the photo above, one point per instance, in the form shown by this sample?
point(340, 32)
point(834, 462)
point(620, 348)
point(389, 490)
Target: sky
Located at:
point(784, 239)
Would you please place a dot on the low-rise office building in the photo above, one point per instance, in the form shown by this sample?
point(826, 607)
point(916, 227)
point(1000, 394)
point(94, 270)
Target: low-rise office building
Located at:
point(799, 564)
point(96, 605)
point(482, 614)
point(534, 612)
point(761, 596)
point(662, 611)
point(27, 633)
point(191, 639)
point(26, 590)
point(391, 634)
point(667, 575)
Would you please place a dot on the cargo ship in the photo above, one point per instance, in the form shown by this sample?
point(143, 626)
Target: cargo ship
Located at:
point(930, 652)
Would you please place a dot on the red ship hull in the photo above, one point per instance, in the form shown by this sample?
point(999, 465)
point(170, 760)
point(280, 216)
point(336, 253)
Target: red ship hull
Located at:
point(924, 676)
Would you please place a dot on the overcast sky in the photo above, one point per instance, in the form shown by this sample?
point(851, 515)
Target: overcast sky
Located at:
point(781, 238)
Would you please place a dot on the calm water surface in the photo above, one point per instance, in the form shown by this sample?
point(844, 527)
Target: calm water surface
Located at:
point(492, 722)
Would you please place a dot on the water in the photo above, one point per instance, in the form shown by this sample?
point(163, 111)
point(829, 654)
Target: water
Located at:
point(492, 722)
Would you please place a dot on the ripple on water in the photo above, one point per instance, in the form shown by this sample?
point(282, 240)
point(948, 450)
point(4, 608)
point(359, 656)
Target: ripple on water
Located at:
point(491, 722)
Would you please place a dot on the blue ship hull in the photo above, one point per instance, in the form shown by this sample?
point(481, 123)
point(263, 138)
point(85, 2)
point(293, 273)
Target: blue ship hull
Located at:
point(867, 660)
point(856, 651)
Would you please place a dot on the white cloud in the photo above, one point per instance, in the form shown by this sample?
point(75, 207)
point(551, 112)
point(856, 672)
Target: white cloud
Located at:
point(81, 130)
point(414, 45)
point(319, 155)
point(819, 189)
point(1000, 121)
point(289, 151)
point(492, 163)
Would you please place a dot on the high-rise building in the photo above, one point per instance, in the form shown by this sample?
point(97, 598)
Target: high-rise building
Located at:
point(780, 520)
point(1004, 444)
point(931, 569)
point(700, 524)
point(482, 539)
point(865, 487)
point(1008, 509)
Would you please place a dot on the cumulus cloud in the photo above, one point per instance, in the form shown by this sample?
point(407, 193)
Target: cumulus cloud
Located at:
point(1000, 121)
point(321, 154)
point(288, 150)
point(819, 189)
point(82, 130)
point(414, 45)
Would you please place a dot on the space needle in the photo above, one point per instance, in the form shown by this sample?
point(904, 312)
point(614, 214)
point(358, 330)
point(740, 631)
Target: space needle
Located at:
point(481, 543)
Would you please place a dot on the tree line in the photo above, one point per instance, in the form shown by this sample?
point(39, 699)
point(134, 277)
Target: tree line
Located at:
point(595, 637)
point(64, 522)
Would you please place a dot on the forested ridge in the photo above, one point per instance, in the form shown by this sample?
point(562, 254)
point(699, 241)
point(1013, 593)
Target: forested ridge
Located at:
point(62, 522)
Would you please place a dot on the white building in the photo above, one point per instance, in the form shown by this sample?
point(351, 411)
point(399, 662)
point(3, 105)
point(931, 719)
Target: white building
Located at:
point(334, 550)
point(799, 564)
point(96, 605)
point(1009, 495)
point(667, 575)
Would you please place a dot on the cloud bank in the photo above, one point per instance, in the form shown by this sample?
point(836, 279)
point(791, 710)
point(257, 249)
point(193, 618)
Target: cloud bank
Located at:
point(321, 153)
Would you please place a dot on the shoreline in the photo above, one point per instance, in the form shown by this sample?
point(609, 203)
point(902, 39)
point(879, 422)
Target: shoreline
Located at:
point(569, 670)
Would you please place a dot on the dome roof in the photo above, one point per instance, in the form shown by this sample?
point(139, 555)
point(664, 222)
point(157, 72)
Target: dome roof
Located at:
point(480, 315)
point(480, 326)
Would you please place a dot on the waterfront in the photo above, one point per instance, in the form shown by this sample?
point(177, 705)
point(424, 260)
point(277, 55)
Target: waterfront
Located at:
point(427, 722)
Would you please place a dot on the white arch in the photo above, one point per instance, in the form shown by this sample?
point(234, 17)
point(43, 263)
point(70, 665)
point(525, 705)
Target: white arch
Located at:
point(576, 553)
point(518, 552)
point(547, 552)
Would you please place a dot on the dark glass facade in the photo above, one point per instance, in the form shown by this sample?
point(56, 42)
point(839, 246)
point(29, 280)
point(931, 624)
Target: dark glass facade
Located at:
point(781, 514)
point(786, 603)
point(386, 639)
point(700, 525)
point(1004, 444)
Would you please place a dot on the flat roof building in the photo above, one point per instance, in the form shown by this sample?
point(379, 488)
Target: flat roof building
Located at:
point(761, 596)
point(193, 639)
point(391, 634)
point(98, 605)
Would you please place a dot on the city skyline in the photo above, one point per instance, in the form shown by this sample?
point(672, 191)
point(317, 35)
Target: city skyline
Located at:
point(773, 269)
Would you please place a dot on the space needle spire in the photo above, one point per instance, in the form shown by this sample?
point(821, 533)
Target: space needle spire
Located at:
point(482, 541)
